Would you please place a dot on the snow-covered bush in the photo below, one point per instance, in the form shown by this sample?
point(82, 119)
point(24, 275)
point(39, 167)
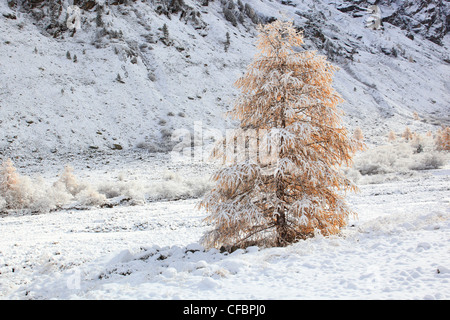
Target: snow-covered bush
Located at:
point(2, 204)
point(427, 161)
point(131, 191)
point(9, 180)
point(416, 154)
point(352, 174)
point(20, 192)
point(83, 193)
point(59, 195)
point(382, 159)
point(69, 181)
point(90, 197)
point(173, 186)
point(34, 195)
point(23, 193)
point(14, 189)
point(38, 195)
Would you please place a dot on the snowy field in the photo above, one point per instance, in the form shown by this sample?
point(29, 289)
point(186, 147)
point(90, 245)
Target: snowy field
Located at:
point(398, 248)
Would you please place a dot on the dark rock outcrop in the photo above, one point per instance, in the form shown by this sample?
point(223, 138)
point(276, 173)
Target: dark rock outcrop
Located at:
point(428, 18)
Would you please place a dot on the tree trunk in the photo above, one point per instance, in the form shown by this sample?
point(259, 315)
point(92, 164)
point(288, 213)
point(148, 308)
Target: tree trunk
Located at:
point(281, 224)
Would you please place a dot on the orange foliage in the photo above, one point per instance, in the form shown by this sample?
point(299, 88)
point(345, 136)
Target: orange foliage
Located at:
point(10, 185)
point(9, 179)
point(358, 135)
point(286, 93)
point(443, 139)
point(391, 136)
point(407, 134)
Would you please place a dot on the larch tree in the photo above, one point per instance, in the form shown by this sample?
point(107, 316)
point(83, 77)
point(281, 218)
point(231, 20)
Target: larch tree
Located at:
point(443, 139)
point(358, 134)
point(9, 178)
point(392, 136)
point(407, 134)
point(12, 189)
point(283, 180)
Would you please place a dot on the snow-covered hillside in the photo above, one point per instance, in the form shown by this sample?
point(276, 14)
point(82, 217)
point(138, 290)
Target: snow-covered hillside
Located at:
point(130, 87)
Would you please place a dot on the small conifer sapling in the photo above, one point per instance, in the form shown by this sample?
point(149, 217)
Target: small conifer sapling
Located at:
point(227, 41)
point(358, 134)
point(443, 139)
point(392, 136)
point(407, 134)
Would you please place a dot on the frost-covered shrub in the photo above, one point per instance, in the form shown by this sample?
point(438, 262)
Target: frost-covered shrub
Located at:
point(90, 197)
point(23, 193)
point(38, 195)
point(382, 159)
point(8, 180)
point(132, 191)
point(111, 190)
point(173, 186)
point(2, 204)
point(59, 195)
point(83, 193)
point(428, 161)
point(69, 181)
point(34, 195)
point(135, 193)
point(416, 154)
point(352, 174)
point(14, 189)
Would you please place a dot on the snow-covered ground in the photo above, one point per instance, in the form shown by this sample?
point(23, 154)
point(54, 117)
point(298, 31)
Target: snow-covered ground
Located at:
point(398, 248)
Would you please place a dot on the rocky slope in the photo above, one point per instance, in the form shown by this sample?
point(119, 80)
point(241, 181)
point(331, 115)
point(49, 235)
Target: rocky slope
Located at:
point(135, 71)
point(428, 18)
